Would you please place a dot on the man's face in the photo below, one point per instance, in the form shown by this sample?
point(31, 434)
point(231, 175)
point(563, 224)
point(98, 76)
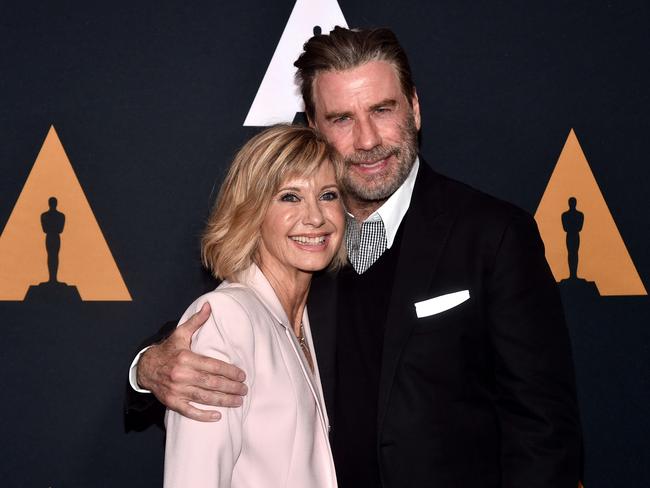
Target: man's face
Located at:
point(365, 115)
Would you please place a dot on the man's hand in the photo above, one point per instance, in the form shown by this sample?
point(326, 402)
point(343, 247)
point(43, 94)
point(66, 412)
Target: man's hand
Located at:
point(176, 375)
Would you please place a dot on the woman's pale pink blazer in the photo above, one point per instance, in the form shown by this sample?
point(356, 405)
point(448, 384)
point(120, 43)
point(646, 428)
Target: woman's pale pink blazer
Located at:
point(279, 437)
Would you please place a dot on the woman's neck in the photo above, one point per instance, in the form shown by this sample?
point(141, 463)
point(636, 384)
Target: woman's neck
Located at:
point(291, 288)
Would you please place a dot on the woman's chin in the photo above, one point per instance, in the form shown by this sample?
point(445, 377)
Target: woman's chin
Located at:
point(314, 265)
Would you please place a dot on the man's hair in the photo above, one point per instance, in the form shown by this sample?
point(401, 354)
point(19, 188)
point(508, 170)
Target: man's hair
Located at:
point(344, 49)
point(230, 241)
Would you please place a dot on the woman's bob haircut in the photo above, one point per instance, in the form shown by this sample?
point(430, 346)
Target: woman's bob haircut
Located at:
point(230, 241)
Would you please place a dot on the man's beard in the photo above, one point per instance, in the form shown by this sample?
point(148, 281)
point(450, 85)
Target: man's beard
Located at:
point(380, 187)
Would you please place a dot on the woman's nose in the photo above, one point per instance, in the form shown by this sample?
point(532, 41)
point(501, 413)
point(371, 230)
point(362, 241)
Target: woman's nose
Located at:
point(313, 214)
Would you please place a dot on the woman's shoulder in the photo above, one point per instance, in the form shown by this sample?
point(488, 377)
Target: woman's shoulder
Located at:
point(234, 320)
point(233, 328)
point(231, 299)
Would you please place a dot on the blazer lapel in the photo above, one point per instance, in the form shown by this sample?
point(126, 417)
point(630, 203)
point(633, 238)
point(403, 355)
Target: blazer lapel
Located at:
point(255, 279)
point(321, 306)
point(312, 377)
point(426, 228)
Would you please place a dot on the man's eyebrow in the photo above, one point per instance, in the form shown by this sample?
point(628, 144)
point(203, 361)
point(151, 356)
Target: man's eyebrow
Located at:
point(329, 116)
point(386, 103)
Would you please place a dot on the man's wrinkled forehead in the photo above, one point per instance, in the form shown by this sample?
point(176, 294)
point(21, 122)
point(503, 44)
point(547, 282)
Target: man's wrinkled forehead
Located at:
point(322, 83)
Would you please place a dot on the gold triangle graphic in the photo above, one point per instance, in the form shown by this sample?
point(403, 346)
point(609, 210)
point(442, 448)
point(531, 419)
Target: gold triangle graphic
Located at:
point(85, 260)
point(603, 256)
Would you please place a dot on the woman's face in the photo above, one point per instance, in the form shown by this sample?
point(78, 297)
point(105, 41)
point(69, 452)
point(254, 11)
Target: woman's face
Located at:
point(304, 224)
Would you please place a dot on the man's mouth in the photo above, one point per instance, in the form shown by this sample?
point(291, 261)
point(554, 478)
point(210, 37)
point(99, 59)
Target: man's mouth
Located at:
point(370, 167)
point(371, 163)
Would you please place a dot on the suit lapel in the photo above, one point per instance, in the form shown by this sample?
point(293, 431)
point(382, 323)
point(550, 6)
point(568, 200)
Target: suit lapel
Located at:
point(321, 306)
point(426, 227)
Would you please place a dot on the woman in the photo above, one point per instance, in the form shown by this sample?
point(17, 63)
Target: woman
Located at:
point(278, 218)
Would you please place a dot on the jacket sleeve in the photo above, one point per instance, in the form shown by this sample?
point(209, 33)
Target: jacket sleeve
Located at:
point(536, 393)
point(203, 454)
point(142, 410)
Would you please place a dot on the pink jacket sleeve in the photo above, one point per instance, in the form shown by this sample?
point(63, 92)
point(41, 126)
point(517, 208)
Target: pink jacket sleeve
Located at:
point(203, 454)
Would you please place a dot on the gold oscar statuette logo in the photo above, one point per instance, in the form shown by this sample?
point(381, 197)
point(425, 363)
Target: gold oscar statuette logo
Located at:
point(583, 244)
point(52, 246)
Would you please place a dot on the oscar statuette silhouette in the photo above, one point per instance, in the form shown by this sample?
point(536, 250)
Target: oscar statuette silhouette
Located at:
point(53, 224)
point(572, 222)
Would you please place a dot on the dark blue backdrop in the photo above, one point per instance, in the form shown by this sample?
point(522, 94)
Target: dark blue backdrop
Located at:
point(149, 101)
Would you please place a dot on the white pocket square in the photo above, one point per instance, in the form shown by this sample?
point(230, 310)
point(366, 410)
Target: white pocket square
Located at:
point(439, 304)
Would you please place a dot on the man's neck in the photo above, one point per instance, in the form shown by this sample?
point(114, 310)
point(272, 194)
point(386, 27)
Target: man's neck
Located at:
point(362, 209)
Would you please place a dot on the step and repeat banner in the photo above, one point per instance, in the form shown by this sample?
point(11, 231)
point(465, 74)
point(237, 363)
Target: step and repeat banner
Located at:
point(118, 121)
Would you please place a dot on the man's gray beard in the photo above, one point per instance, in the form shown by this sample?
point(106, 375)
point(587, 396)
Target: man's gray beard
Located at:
point(405, 155)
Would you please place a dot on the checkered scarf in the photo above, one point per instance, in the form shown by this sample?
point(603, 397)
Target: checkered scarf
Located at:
point(365, 242)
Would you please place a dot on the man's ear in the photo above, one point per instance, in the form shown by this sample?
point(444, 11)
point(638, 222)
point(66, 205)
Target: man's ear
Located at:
point(415, 103)
point(310, 122)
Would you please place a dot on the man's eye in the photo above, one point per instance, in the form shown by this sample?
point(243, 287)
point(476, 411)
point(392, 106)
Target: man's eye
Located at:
point(382, 110)
point(289, 197)
point(342, 119)
point(329, 195)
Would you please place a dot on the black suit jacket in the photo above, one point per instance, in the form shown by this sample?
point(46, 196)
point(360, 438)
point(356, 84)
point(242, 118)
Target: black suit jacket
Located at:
point(481, 395)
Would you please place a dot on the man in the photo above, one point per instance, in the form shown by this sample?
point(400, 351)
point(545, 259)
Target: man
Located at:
point(443, 352)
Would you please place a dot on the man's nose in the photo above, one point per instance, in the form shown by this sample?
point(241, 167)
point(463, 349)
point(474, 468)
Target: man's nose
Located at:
point(366, 135)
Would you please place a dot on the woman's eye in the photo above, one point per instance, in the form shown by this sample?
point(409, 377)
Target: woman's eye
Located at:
point(289, 197)
point(330, 195)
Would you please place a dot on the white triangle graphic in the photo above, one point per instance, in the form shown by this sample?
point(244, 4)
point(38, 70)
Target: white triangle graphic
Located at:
point(278, 97)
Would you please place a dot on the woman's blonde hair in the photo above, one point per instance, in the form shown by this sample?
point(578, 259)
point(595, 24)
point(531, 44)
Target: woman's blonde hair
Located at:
point(231, 238)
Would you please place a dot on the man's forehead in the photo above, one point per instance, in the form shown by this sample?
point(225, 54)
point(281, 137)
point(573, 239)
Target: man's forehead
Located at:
point(377, 70)
point(375, 79)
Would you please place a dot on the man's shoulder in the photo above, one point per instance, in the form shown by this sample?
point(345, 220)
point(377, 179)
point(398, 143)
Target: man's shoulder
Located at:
point(463, 200)
point(475, 219)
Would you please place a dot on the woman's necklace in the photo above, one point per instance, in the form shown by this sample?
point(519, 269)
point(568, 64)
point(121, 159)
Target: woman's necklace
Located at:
point(302, 340)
